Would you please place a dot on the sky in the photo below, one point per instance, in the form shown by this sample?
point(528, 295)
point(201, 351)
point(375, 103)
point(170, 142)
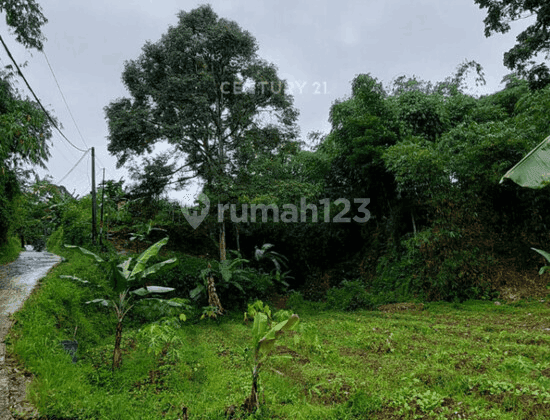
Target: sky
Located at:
point(318, 48)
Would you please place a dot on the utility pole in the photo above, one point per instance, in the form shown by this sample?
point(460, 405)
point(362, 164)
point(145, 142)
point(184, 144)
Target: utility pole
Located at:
point(94, 208)
point(102, 206)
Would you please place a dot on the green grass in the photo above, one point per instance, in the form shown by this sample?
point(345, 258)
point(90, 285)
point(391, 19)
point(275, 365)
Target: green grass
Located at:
point(473, 360)
point(10, 251)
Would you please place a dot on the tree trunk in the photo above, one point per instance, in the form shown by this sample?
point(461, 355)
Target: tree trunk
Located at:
point(117, 354)
point(213, 299)
point(223, 250)
point(238, 238)
point(252, 402)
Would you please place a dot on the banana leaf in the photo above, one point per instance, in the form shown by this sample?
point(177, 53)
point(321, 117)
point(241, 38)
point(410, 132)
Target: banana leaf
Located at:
point(145, 255)
point(86, 252)
point(533, 171)
point(144, 291)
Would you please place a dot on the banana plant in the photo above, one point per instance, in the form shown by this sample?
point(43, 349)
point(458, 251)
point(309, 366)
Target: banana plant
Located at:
point(121, 278)
point(264, 337)
point(545, 255)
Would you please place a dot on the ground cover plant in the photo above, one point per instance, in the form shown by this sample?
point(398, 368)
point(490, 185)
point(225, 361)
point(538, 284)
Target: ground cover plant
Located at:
point(10, 250)
point(475, 360)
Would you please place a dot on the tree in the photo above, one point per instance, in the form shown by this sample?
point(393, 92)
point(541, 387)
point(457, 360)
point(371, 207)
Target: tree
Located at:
point(24, 131)
point(202, 89)
point(25, 18)
point(24, 128)
point(533, 40)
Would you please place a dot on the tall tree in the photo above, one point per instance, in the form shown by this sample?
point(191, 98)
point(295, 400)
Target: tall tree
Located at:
point(533, 40)
point(24, 128)
point(24, 131)
point(202, 89)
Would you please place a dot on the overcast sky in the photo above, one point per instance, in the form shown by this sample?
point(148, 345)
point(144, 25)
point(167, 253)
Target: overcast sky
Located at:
point(319, 46)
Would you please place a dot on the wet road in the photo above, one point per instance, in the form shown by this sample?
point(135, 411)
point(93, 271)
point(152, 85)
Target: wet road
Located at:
point(18, 278)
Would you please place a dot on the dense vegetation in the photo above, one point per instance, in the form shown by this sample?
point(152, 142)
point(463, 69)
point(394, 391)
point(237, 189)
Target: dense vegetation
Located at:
point(428, 224)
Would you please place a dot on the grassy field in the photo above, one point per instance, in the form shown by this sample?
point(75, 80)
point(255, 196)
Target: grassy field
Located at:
point(473, 360)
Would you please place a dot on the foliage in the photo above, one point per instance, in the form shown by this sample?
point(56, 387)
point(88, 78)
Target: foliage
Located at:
point(122, 277)
point(535, 39)
point(449, 358)
point(10, 250)
point(353, 295)
point(264, 336)
point(228, 272)
point(237, 282)
point(545, 255)
point(24, 135)
point(265, 253)
point(199, 87)
point(257, 307)
point(25, 18)
point(39, 211)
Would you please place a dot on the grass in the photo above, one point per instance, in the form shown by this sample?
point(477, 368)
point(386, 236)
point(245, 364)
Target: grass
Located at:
point(474, 360)
point(10, 251)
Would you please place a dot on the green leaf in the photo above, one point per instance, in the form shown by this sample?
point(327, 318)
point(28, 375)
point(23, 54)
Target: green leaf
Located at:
point(86, 282)
point(159, 266)
point(103, 302)
point(162, 302)
point(125, 267)
point(151, 289)
point(86, 252)
point(260, 326)
point(117, 278)
point(533, 171)
point(196, 292)
point(268, 341)
point(145, 255)
point(543, 253)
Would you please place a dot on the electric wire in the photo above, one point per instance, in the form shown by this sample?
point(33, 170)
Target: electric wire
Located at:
point(34, 94)
point(64, 100)
point(74, 166)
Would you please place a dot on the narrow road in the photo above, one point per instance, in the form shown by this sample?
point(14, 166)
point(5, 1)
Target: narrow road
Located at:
point(17, 281)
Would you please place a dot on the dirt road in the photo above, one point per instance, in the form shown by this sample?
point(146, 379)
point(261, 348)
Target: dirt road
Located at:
point(17, 280)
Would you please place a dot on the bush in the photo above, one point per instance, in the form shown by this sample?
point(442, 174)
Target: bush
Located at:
point(76, 221)
point(10, 250)
point(353, 295)
point(432, 267)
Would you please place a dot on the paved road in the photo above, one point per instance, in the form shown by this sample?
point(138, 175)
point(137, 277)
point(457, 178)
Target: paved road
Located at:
point(17, 280)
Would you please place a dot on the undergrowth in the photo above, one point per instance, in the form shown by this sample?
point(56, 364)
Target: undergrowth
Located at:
point(10, 251)
point(474, 360)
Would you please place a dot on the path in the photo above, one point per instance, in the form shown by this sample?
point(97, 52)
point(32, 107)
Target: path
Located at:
point(17, 281)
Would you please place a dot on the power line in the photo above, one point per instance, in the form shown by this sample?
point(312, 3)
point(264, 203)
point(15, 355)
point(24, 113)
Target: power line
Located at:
point(75, 165)
point(36, 97)
point(64, 100)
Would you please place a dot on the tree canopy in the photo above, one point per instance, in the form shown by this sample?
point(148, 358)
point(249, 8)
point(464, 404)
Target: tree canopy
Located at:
point(203, 90)
point(534, 40)
point(24, 127)
point(25, 18)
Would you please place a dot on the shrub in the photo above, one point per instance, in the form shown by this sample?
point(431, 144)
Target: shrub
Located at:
point(353, 295)
point(10, 250)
